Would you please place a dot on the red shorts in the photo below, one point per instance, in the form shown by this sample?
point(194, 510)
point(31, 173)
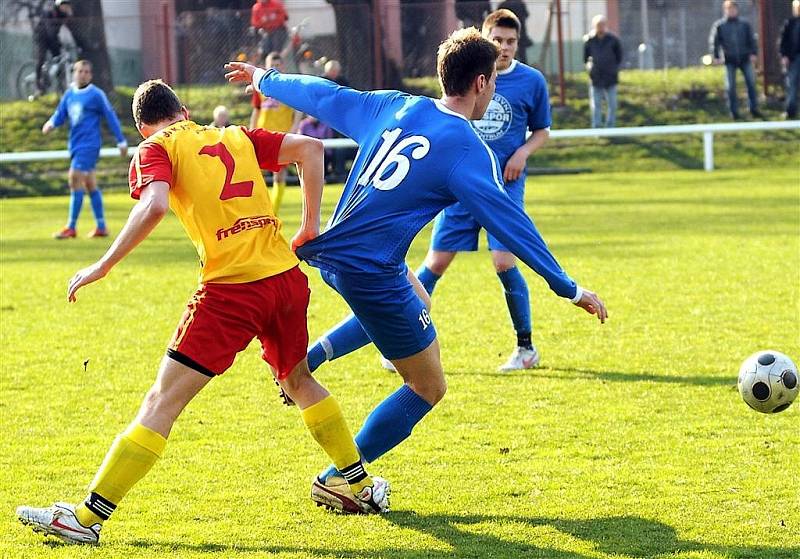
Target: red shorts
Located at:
point(221, 320)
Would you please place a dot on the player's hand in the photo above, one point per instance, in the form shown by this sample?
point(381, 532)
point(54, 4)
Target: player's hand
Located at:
point(47, 127)
point(304, 235)
point(515, 165)
point(592, 304)
point(240, 72)
point(123, 151)
point(753, 59)
point(717, 62)
point(86, 276)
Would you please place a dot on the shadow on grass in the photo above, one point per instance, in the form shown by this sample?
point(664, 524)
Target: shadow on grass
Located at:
point(572, 373)
point(622, 536)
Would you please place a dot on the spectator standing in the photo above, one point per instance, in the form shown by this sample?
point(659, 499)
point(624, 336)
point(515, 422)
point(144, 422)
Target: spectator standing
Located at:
point(272, 115)
point(221, 118)
point(790, 58)
point(731, 42)
point(602, 54)
point(45, 36)
point(339, 157)
point(84, 104)
point(268, 18)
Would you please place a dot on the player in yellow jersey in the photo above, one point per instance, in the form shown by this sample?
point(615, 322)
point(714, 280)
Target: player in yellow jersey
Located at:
point(274, 116)
point(251, 286)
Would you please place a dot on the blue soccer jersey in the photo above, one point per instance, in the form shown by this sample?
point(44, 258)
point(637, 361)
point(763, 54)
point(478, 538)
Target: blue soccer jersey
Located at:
point(415, 158)
point(520, 103)
point(84, 108)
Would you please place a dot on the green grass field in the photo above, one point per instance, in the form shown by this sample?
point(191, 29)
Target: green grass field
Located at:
point(631, 441)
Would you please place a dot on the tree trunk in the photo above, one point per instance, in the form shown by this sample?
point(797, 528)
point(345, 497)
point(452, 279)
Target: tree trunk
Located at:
point(354, 38)
point(88, 30)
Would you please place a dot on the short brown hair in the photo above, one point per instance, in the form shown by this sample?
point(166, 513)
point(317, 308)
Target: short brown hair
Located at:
point(81, 62)
point(462, 57)
point(154, 101)
point(501, 18)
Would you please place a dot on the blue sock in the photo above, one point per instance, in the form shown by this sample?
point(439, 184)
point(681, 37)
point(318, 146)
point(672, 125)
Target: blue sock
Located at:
point(389, 424)
point(427, 278)
point(517, 299)
point(97, 207)
point(344, 338)
point(75, 205)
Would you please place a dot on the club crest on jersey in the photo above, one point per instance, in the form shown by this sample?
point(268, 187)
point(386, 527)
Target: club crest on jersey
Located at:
point(245, 224)
point(496, 121)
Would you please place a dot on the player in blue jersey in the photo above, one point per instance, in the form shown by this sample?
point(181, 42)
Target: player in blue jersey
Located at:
point(520, 103)
point(85, 104)
point(416, 157)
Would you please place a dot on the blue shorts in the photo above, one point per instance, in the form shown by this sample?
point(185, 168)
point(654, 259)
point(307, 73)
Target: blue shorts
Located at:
point(455, 230)
point(388, 308)
point(84, 160)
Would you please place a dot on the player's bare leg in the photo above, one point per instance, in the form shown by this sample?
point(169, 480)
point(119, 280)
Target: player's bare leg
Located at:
point(128, 460)
point(525, 355)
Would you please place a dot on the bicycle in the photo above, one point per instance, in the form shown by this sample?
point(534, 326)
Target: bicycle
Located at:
point(56, 74)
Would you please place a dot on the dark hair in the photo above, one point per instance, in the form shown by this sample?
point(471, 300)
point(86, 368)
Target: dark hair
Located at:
point(154, 101)
point(501, 18)
point(462, 57)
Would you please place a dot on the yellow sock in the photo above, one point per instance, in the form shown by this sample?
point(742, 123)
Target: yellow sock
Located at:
point(326, 424)
point(276, 196)
point(128, 460)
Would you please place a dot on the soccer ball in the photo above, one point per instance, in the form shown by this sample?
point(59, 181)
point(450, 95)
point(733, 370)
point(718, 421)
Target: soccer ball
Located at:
point(768, 381)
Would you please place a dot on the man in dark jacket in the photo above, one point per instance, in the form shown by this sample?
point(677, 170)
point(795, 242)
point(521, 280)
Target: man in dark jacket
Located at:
point(731, 42)
point(45, 36)
point(602, 54)
point(790, 57)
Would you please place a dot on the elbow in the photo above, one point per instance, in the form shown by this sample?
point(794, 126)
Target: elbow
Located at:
point(313, 149)
point(156, 209)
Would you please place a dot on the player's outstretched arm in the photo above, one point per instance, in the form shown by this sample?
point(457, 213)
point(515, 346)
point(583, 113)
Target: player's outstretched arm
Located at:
point(145, 215)
point(343, 108)
point(476, 183)
point(308, 154)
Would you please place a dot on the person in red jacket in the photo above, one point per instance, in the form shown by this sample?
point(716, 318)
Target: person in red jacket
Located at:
point(268, 18)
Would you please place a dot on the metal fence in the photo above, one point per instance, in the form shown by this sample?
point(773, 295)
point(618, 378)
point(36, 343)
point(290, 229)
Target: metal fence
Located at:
point(379, 42)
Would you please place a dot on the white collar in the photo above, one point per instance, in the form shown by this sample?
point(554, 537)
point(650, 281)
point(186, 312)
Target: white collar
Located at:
point(509, 69)
point(441, 106)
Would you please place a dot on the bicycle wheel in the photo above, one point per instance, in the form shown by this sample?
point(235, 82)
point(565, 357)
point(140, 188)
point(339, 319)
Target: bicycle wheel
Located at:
point(26, 80)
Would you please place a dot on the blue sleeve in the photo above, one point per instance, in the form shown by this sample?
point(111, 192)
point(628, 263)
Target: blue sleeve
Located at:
point(539, 113)
point(349, 111)
point(476, 182)
point(60, 116)
point(111, 118)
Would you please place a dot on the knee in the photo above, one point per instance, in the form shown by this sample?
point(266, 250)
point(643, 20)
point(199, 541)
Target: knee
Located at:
point(296, 381)
point(504, 263)
point(437, 263)
point(431, 391)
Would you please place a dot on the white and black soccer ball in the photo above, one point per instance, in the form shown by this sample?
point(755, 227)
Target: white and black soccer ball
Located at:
point(768, 381)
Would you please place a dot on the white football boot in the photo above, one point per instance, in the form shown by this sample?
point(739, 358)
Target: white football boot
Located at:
point(335, 494)
point(388, 365)
point(59, 521)
point(521, 358)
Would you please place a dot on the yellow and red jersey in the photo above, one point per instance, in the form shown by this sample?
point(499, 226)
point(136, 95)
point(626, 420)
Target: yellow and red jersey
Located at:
point(219, 195)
point(273, 115)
